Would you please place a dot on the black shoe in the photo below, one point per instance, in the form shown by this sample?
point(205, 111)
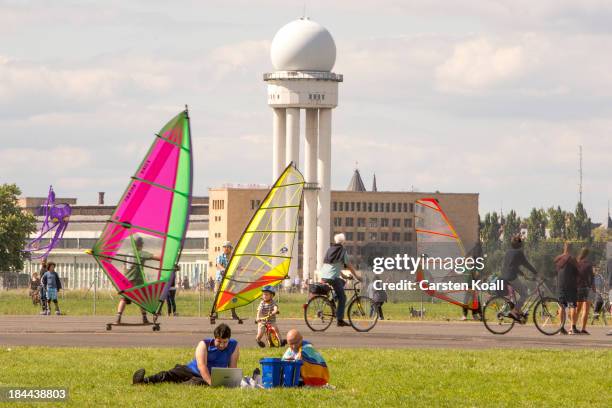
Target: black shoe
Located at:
point(563, 331)
point(261, 343)
point(283, 342)
point(138, 377)
point(342, 323)
point(584, 332)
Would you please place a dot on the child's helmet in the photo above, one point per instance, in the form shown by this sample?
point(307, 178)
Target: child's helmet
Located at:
point(270, 289)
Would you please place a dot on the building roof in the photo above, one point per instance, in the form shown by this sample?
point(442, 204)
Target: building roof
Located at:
point(374, 188)
point(356, 183)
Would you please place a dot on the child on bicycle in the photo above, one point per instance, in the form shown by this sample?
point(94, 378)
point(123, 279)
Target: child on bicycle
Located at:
point(266, 312)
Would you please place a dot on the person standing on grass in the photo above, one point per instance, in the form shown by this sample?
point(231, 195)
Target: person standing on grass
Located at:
point(221, 263)
point(172, 296)
point(221, 351)
point(336, 259)
point(52, 283)
point(585, 284)
point(41, 288)
point(567, 275)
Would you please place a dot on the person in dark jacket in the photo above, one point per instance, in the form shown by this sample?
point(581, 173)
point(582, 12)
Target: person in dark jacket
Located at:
point(336, 259)
point(567, 276)
point(51, 281)
point(514, 259)
point(584, 284)
point(42, 290)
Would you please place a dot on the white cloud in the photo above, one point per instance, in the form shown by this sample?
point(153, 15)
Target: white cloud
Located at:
point(43, 162)
point(478, 64)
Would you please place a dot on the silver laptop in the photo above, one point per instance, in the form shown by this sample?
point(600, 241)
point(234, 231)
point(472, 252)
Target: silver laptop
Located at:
point(226, 377)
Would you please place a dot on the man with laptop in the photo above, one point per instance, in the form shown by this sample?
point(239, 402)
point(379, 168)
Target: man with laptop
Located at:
point(215, 364)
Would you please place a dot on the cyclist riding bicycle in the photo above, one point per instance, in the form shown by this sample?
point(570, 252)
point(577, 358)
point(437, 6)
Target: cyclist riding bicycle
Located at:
point(514, 259)
point(336, 259)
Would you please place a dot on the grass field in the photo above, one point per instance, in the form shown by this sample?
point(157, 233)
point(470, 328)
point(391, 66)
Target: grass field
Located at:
point(80, 303)
point(431, 378)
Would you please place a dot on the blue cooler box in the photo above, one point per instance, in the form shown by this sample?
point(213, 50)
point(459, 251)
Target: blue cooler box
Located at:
point(278, 373)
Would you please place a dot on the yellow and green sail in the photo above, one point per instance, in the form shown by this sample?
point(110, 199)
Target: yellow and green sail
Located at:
point(263, 253)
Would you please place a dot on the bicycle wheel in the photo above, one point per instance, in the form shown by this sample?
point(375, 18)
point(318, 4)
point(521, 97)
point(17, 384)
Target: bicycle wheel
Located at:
point(496, 315)
point(547, 316)
point(319, 313)
point(273, 338)
point(362, 313)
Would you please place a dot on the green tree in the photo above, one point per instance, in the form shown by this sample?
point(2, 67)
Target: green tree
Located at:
point(556, 223)
point(536, 226)
point(581, 223)
point(15, 227)
point(490, 232)
point(512, 227)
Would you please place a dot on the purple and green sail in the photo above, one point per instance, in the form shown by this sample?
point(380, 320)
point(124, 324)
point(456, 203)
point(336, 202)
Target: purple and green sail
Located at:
point(141, 243)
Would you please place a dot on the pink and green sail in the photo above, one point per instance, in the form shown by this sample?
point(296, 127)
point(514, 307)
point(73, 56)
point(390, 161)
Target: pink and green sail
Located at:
point(141, 243)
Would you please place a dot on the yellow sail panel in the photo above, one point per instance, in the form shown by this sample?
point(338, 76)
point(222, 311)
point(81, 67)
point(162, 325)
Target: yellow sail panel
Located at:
point(263, 254)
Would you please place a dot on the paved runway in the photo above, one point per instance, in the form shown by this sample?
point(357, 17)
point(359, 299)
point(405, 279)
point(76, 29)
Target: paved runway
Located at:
point(89, 331)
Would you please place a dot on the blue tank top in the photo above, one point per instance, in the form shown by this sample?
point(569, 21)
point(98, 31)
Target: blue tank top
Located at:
point(216, 357)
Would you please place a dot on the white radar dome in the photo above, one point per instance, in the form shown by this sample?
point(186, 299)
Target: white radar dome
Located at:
point(303, 45)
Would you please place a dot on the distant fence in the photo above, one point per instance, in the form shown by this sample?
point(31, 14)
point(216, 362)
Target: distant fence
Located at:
point(79, 275)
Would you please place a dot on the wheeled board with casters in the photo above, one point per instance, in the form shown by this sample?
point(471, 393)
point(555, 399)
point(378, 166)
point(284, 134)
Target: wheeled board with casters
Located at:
point(214, 319)
point(155, 326)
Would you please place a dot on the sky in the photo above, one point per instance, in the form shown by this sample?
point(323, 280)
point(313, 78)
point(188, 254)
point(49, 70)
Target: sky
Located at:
point(492, 97)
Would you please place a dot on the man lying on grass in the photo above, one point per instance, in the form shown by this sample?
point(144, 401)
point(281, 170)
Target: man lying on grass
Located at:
point(222, 352)
point(314, 371)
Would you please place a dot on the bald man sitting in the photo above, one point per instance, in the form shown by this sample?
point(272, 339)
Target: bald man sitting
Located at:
point(314, 371)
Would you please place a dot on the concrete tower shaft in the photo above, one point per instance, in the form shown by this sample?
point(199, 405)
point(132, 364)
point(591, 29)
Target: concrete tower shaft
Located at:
point(303, 54)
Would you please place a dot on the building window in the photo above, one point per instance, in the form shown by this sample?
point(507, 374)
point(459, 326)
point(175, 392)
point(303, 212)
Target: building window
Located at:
point(384, 236)
point(349, 250)
point(359, 206)
point(396, 222)
point(348, 221)
point(335, 206)
point(352, 206)
point(411, 207)
point(387, 207)
point(375, 207)
point(360, 250)
point(361, 222)
point(337, 222)
point(369, 207)
point(349, 236)
point(364, 206)
point(373, 222)
point(395, 237)
point(405, 207)
point(392, 207)
point(384, 222)
point(361, 236)
point(408, 222)
point(407, 236)
point(341, 206)
point(194, 243)
point(372, 236)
